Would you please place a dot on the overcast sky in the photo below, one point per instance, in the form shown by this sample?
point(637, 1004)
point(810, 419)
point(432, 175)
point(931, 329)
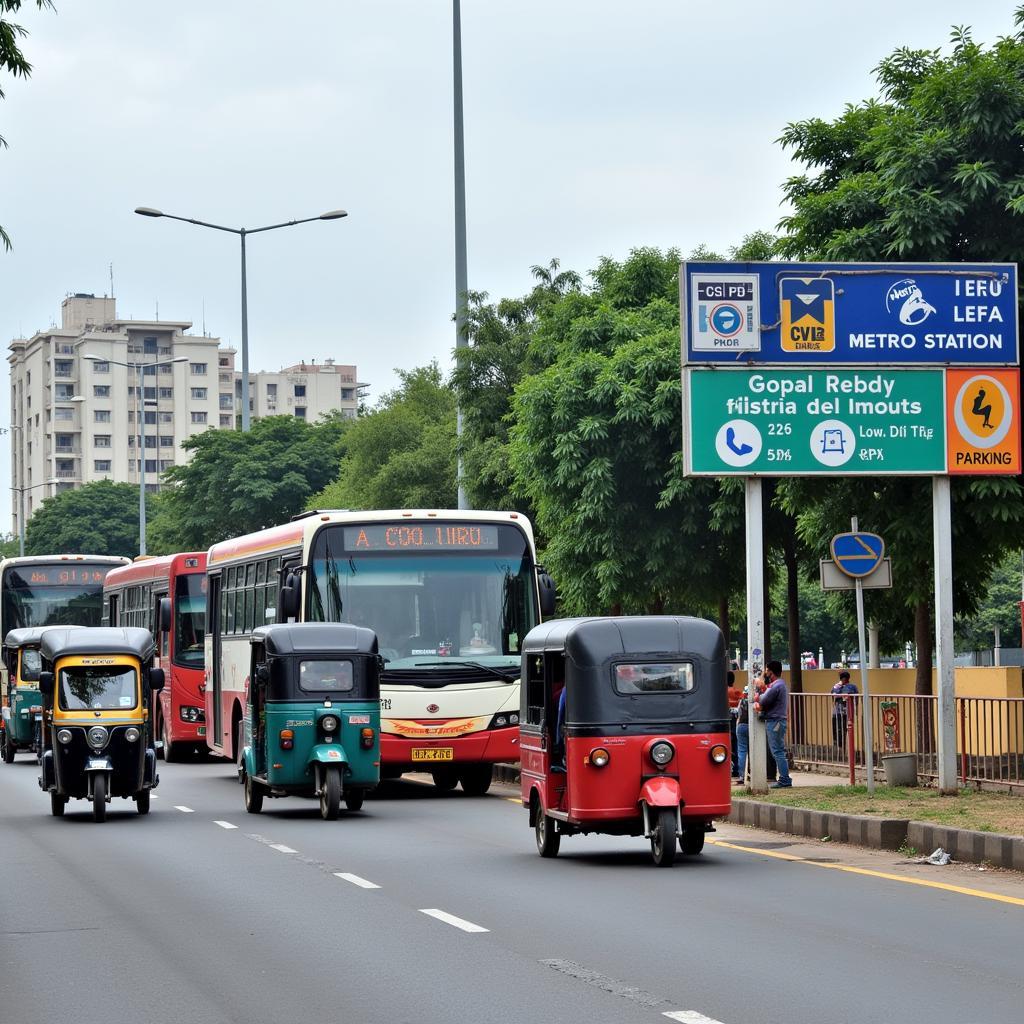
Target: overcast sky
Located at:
point(592, 127)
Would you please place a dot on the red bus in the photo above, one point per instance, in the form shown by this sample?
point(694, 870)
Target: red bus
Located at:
point(167, 596)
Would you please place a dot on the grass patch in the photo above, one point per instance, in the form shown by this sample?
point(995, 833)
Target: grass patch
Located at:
point(969, 808)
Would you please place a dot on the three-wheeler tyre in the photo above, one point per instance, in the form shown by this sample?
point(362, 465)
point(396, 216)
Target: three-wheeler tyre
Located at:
point(476, 780)
point(142, 801)
point(99, 797)
point(548, 838)
point(354, 799)
point(330, 795)
point(253, 794)
point(691, 842)
point(8, 748)
point(57, 804)
point(663, 838)
point(445, 779)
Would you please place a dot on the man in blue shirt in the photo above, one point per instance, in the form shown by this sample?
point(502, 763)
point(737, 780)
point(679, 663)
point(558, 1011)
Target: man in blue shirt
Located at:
point(839, 718)
point(773, 707)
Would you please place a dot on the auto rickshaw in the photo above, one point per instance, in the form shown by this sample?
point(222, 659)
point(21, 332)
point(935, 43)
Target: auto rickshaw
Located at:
point(624, 730)
point(97, 685)
point(22, 727)
point(312, 721)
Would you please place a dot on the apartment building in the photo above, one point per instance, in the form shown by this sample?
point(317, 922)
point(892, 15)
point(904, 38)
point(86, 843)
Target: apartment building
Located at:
point(74, 419)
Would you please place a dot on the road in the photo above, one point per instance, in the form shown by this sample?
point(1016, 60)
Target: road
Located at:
point(203, 914)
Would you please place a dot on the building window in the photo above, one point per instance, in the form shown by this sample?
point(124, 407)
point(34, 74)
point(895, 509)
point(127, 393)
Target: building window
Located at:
point(166, 464)
point(166, 441)
point(199, 394)
point(271, 391)
point(101, 391)
point(62, 392)
point(300, 390)
point(348, 394)
point(63, 368)
point(101, 465)
point(149, 370)
point(226, 401)
point(149, 441)
point(166, 367)
point(348, 414)
point(149, 346)
point(149, 394)
point(101, 440)
point(101, 367)
point(131, 440)
point(197, 369)
point(223, 361)
point(199, 417)
point(150, 418)
point(64, 414)
point(225, 421)
point(165, 417)
point(300, 412)
point(167, 392)
point(101, 415)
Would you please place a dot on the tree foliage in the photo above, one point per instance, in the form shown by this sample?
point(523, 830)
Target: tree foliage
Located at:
point(402, 453)
point(239, 482)
point(100, 518)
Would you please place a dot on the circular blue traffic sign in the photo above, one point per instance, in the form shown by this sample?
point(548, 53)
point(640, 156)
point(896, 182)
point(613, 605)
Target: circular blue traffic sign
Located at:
point(726, 319)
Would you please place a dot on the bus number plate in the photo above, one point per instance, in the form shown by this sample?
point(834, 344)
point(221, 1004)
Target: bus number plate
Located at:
point(433, 753)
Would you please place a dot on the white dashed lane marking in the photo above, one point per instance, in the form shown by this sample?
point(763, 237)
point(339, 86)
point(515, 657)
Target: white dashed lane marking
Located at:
point(356, 880)
point(281, 848)
point(184, 810)
point(690, 1017)
point(224, 824)
point(455, 922)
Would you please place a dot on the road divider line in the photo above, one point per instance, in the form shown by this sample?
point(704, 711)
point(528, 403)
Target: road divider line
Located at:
point(356, 880)
point(281, 848)
point(927, 883)
point(224, 824)
point(184, 810)
point(455, 922)
point(690, 1017)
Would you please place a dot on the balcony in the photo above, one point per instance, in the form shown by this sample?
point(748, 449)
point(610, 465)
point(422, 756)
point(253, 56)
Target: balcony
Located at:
point(68, 474)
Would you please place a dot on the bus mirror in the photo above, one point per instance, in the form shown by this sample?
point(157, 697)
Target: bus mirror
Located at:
point(290, 599)
point(548, 594)
point(46, 685)
point(156, 679)
point(165, 614)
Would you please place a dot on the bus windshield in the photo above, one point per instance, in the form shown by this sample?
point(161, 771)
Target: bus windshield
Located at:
point(52, 595)
point(189, 619)
point(432, 605)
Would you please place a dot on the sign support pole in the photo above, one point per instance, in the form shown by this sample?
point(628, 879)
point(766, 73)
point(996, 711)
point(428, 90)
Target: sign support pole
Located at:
point(756, 752)
point(943, 536)
point(866, 715)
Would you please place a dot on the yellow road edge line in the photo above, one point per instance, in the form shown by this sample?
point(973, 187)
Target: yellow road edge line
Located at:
point(928, 884)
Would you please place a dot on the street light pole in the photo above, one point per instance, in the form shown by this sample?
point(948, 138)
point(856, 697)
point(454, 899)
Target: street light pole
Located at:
point(21, 509)
point(149, 211)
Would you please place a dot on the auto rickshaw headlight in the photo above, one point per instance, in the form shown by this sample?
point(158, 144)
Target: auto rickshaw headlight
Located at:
point(98, 736)
point(64, 736)
point(131, 734)
point(719, 753)
point(329, 723)
point(662, 752)
point(599, 757)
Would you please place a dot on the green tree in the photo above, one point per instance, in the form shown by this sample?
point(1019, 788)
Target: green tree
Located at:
point(9, 546)
point(13, 60)
point(101, 518)
point(998, 608)
point(402, 453)
point(932, 170)
point(237, 482)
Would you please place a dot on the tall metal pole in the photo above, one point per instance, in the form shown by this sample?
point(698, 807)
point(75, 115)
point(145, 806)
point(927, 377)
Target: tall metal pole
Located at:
point(942, 531)
point(869, 732)
point(461, 284)
point(756, 753)
point(21, 521)
point(142, 460)
point(245, 342)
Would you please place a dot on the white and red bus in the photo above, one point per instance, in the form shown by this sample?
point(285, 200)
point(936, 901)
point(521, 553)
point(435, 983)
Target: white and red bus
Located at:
point(451, 595)
point(167, 596)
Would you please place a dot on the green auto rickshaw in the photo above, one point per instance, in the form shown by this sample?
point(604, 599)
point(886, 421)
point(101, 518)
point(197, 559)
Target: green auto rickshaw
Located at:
point(22, 728)
point(312, 722)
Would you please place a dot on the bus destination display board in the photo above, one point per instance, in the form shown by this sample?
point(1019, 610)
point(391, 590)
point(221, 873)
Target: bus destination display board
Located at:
point(57, 575)
point(421, 537)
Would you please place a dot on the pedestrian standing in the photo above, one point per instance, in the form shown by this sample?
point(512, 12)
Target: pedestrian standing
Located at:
point(735, 696)
point(839, 717)
point(742, 739)
point(773, 707)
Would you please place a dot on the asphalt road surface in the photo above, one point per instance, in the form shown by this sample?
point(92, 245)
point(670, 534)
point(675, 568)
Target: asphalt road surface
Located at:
point(428, 907)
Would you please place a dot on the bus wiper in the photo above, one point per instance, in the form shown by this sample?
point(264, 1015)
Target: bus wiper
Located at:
point(510, 675)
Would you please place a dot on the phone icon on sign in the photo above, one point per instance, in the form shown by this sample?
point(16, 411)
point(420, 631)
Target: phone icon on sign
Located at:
point(739, 449)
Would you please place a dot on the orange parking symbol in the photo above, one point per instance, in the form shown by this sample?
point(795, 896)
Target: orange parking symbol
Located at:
point(983, 422)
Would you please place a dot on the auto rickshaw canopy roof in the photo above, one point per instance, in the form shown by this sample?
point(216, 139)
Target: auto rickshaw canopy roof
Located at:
point(323, 638)
point(29, 636)
point(74, 640)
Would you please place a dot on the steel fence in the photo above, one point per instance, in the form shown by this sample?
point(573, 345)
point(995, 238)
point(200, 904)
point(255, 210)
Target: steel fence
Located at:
point(827, 732)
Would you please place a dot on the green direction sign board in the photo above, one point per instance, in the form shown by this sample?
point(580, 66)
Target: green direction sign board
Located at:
point(814, 421)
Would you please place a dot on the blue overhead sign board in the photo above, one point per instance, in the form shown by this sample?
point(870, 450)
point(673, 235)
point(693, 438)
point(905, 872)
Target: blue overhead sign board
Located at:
point(892, 314)
point(857, 554)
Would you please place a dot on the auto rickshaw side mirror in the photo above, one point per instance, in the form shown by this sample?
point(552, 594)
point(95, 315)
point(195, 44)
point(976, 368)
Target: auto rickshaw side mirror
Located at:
point(263, 673)
point(46, 685)
point(548, 592)
point(156, 679)
point(165, 614)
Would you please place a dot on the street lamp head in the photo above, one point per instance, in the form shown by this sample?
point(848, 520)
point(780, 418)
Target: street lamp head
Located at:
point(148, 211)
point(330, 214)
point(180, 359)
point(93, 359)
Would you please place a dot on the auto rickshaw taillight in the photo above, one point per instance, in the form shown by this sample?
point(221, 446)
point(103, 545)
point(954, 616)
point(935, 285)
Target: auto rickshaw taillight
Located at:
point(366, 738)
point(719, 753)
point(287, 739)
point(598, 757)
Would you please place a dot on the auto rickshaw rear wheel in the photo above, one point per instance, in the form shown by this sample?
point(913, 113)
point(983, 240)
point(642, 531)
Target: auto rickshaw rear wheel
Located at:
point(354, 799)
point(57, 804)
point(99, 797)
point(253, 794)
point(663, 838)
point(548, 839)
point(330, 795)
point(142, 801)
point(691, 842)
point(8, 747)
point(477, 779)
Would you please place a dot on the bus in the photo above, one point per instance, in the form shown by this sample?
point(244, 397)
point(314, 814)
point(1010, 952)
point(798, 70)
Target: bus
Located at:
point(167, 596)
point(450, 594)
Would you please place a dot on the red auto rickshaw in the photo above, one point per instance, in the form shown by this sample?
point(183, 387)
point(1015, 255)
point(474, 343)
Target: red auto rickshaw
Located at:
point(624, 730)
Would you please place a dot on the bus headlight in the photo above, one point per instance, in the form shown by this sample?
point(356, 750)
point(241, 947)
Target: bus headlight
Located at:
point(192, 714)
point(64, 736)
point(662, 752)
point(98, 737)
point(503, 719)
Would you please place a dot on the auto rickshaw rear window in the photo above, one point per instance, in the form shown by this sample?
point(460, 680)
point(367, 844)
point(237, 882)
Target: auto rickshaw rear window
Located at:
point(95, 688)
point(321, 676)
point(31, 663)
point(664, 677)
